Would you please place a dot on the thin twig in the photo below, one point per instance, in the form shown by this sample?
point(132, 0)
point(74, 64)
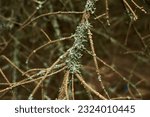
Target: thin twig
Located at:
point(141, 8)
point(22, 72)
point(46, 44)
point(46, 35)
point(140, 37)
point(131, 10)
point(107, 12)
point(5, 77)
point(128, 31)
point(48, 14)
point(100, 16)
point(89, 87)
point(119, 74)
point(96, 63)
point(63, 93)
point(44, 77)
point(72, 79)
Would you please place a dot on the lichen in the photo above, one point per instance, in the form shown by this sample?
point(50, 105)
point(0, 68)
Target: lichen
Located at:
point(80, 37)
point(75, 53)
point(90, 6)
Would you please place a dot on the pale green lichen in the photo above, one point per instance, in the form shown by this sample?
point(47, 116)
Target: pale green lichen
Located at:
point(80, 37)
point(75, 53)
point(90, 6)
